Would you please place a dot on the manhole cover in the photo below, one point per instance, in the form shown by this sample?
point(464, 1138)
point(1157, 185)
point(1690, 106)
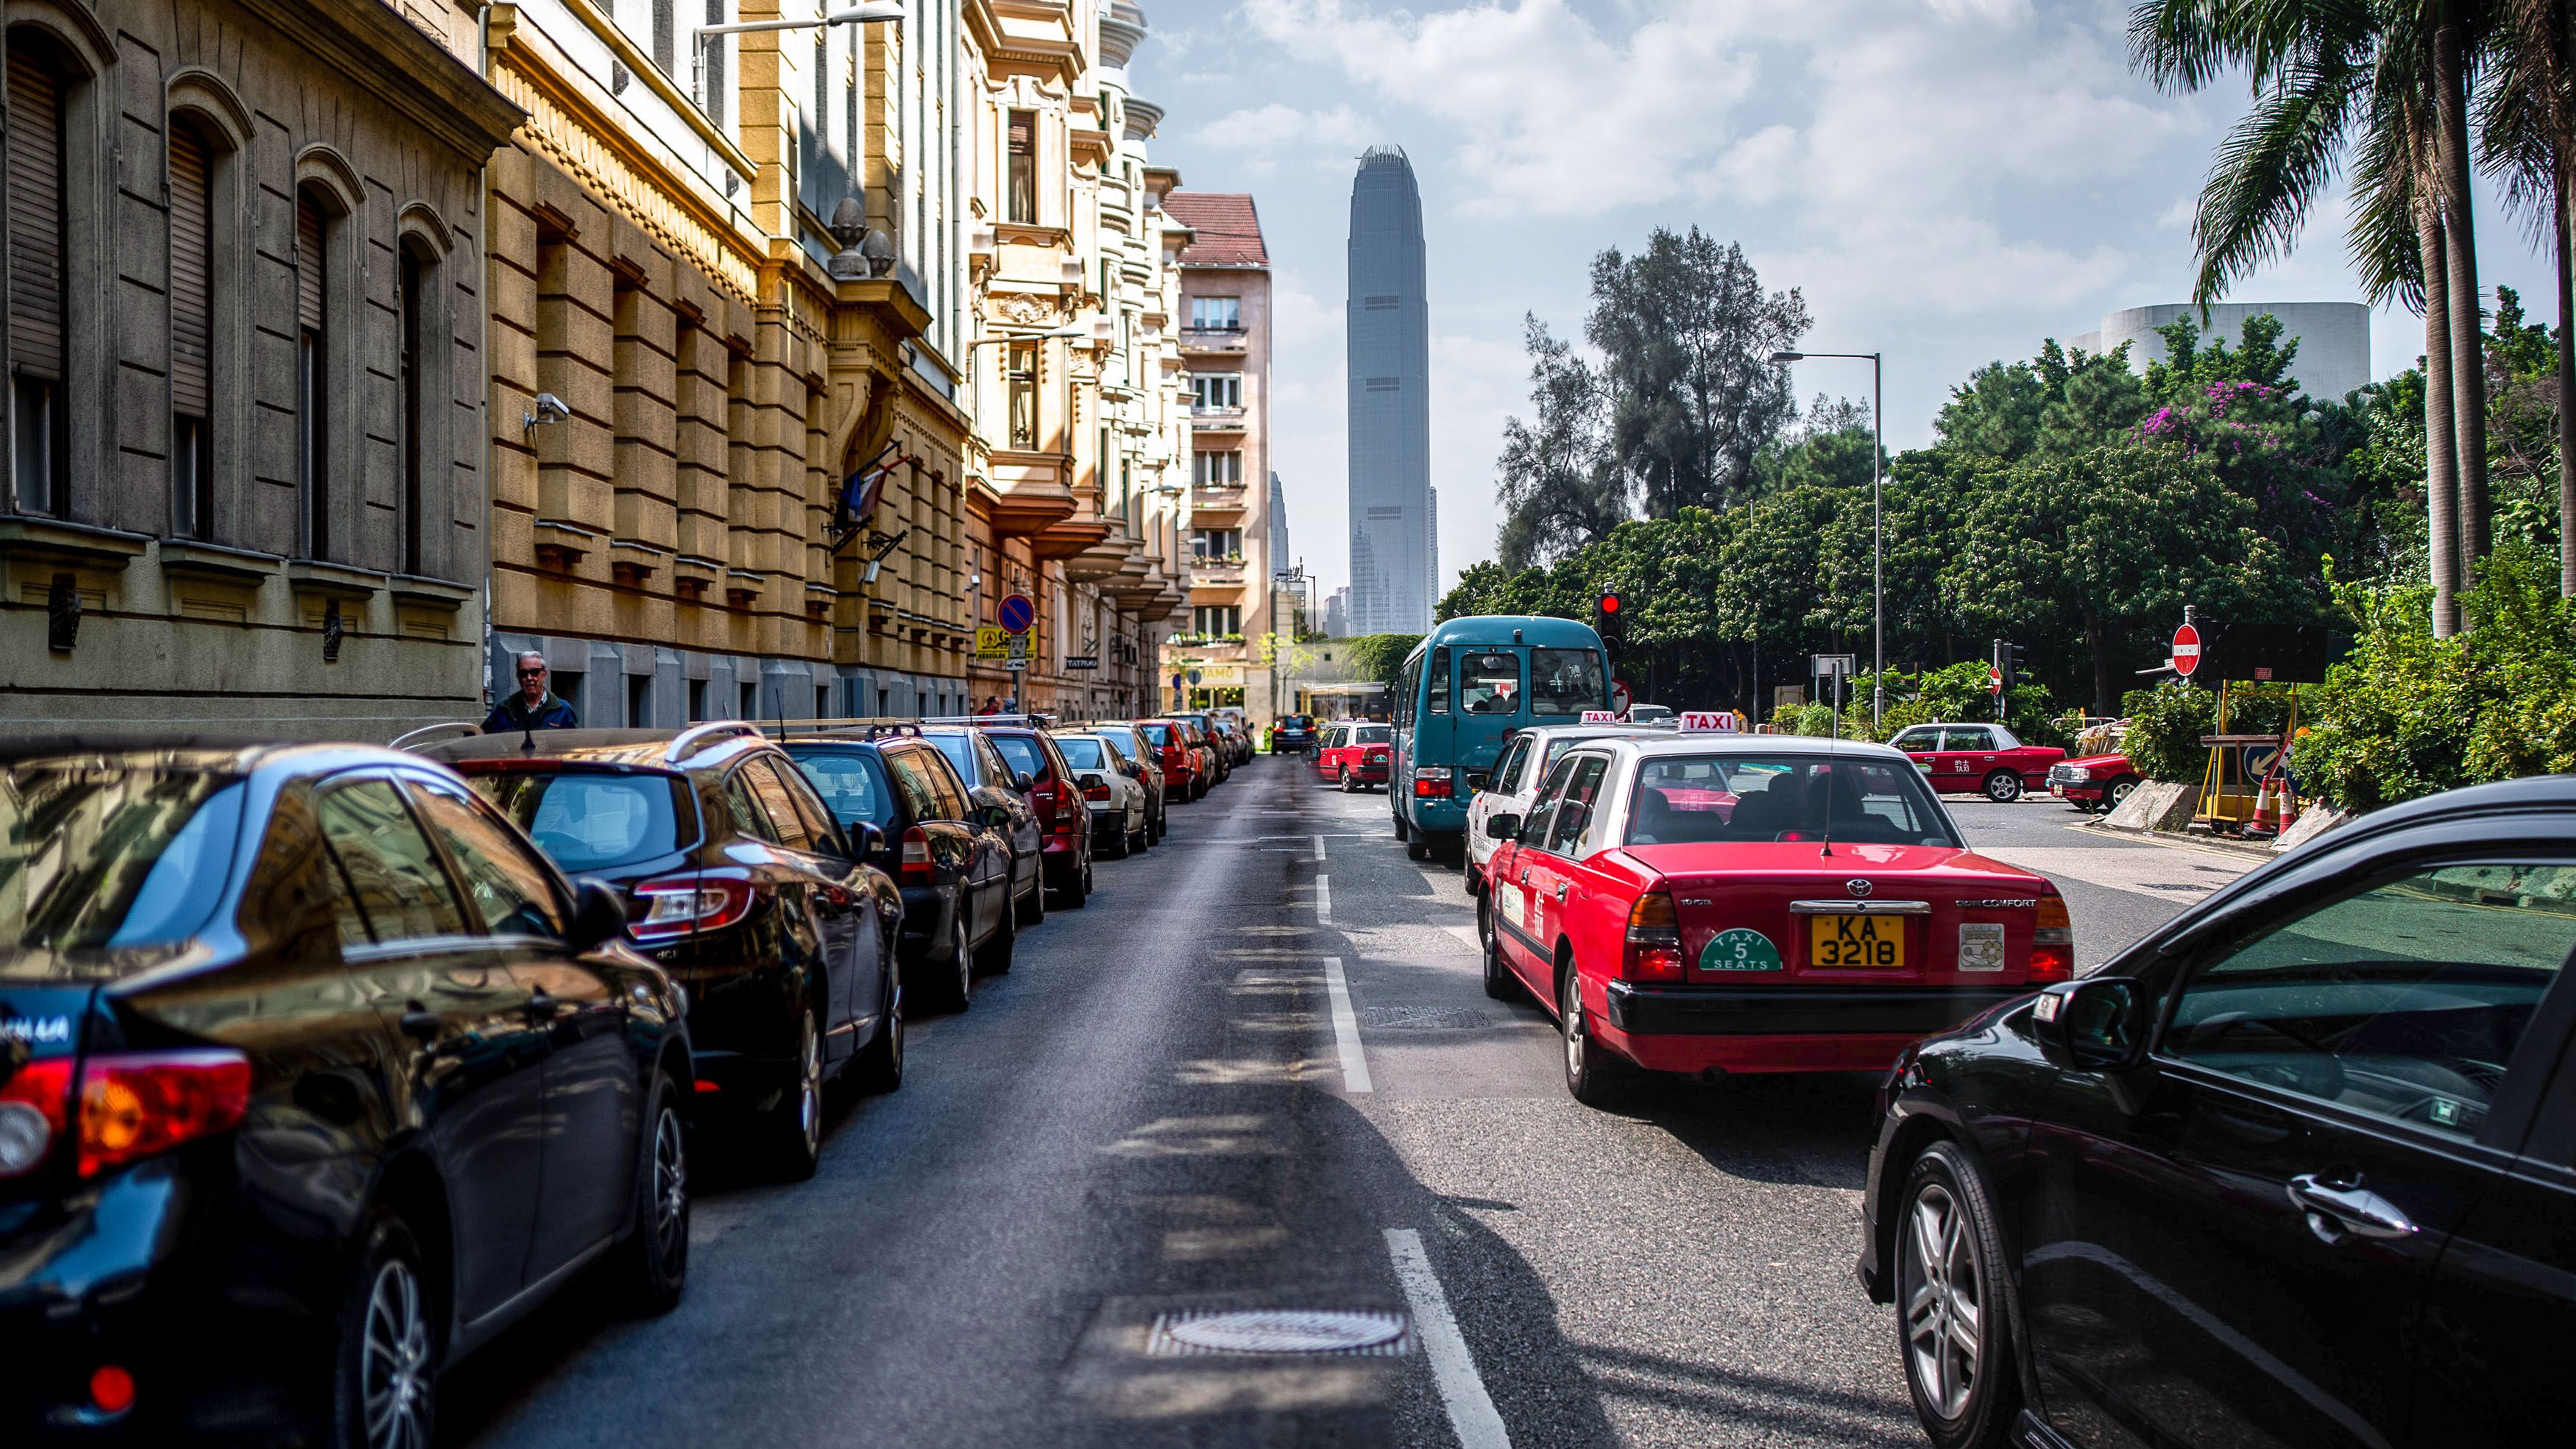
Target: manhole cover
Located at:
point(1279, 1330)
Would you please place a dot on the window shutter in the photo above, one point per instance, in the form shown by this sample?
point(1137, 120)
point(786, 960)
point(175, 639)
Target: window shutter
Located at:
point(192, 266)
point(309, 263)
point(36, 282)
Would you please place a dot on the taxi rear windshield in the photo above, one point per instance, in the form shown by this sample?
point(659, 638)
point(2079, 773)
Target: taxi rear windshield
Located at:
point(1705, 799)
point(1374, 735)
point(97, 854)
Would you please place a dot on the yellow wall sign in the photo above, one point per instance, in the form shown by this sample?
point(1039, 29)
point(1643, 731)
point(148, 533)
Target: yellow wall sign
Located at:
point(991, 643)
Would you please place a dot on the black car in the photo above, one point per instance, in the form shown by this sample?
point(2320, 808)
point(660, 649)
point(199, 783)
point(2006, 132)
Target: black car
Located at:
point(1064, 817)
point(1293, 735)
point(992, 785)
point(948, 855)
point(2298, 1169)
point(314, 1076)
point(741, 884)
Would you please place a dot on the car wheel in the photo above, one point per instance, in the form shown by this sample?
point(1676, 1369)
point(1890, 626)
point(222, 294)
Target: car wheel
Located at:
point(1400, 831)
point(880, 1067)
point(1590, 1073)
point(1346, 781)
point(1416, 847)
point(1500, 983)
point(2003, 787)
point(384, 1384)
point(2117, 791)
point(999, 947)
point(1077, 886)
point(1954, 1329)
point(1033, 910)
point(1126, 841)
point(656, 1254)
point(796, 1123)
point(957, 990)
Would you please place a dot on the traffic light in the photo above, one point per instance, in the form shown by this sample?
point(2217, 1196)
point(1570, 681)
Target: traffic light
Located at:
point(2009, 660)
point(1610, 620)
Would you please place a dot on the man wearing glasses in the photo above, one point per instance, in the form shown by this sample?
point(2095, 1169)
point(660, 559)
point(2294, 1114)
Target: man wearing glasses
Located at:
point(534, 707)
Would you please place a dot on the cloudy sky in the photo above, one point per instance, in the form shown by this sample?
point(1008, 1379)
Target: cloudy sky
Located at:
point(1947, 180)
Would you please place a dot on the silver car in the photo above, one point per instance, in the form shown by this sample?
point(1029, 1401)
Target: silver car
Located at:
point(1115, 796)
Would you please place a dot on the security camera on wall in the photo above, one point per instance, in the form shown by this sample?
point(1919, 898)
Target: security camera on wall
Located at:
point(551, 409)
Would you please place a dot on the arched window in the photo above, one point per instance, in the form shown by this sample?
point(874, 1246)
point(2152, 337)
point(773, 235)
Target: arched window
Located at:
point(192, 329)
point(313, 226)
point(40, 81)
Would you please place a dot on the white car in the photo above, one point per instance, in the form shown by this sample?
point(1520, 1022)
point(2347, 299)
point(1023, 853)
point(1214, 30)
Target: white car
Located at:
point(1509, 789)
point(1116, 799)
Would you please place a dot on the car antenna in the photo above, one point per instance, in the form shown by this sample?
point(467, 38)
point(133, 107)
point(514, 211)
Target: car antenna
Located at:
point(1832, 738)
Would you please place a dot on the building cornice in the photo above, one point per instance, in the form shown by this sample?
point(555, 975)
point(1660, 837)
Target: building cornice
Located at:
point(398, 64)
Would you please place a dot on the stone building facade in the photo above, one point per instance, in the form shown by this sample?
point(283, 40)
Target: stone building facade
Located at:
point(1225, 345)
point(244, 326)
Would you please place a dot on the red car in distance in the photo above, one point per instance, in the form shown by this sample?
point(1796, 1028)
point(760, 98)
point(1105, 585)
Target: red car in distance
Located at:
point(1184, 778)
point(2095, 782)
point(1986, 759)
point(1355, 754)
point(1711, 903)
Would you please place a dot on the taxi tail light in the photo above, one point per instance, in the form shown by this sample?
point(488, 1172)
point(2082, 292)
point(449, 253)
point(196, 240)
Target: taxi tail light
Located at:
point(1431, 782)
point(912, 867)
point(2052, 944)
point(1654, 939)
point(136, 1104)
point(677, 905)
point(35, 1110)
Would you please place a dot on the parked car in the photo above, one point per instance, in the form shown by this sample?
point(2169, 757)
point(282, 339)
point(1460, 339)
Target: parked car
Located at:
point(1355, 756)
point(1114, 797)
point(1002, 793)
point(1063, 816)
point(1182, 777)
point(1203, 735)
point(1983, 759)
point(1294, 734)
point(1713, 904)
point(2095, 782)
point(1204, 767)
point(950, 858)
point(1130, 743)
point(739, 883)
point(1512, 787)
point(315, 1077)
point(2298, 1168)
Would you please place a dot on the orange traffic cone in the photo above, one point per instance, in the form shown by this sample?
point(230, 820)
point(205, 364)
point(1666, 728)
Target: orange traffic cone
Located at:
point(2267, 811)
point(2289, 807)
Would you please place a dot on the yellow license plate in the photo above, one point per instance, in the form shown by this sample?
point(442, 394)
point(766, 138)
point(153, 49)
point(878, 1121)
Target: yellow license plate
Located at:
point(1875, 942)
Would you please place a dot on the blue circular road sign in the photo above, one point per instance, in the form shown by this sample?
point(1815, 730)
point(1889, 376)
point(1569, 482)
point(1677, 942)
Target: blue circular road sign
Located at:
point(1016, 613)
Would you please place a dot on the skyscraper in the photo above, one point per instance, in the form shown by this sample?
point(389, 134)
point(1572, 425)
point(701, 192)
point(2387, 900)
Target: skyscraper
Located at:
point(1393, 554)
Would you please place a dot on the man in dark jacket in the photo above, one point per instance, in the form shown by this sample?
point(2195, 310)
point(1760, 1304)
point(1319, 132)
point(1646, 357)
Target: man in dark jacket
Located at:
point(534, 707)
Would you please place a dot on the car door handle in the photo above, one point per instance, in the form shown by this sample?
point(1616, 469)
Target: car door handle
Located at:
point(421, 1023)
point(1524, 877)
point(2335, 1210)
point(1560, 891)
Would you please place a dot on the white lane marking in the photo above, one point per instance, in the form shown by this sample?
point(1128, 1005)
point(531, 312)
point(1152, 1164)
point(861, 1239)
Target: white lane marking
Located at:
point(1453, 1368)
point(1319, 850)
point(1323, 900)
point(1346, 1028)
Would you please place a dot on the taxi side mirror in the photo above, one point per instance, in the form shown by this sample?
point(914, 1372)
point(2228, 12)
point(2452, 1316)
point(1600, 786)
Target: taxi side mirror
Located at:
point(1502, 827)
point(2097, 1025)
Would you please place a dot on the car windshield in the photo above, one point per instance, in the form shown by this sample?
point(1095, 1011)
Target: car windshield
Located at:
point(1023, 754)
point(960, 752)
point(1688, 799)
point(593, 819)
point(95, 853)
point(1566, 681)
point(1082, 753)
point(851, 782)
point(1373, 735)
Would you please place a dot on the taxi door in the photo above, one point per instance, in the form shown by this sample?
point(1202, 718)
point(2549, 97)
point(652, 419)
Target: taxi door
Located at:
point(1550, 879)
point(1511, 879)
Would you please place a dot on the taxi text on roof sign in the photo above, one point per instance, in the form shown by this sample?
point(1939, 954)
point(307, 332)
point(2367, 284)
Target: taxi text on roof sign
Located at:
point(1709, 722)
point(1599, 716)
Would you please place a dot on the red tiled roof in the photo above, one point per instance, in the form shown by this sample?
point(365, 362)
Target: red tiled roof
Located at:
point(1229, 230)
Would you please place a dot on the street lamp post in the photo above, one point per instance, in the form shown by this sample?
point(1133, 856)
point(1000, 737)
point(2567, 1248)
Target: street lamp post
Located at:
point(1877, 532)
point(868, 12)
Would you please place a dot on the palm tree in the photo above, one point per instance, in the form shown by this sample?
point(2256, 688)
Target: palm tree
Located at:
point(2390, 77)
point(2527, 128)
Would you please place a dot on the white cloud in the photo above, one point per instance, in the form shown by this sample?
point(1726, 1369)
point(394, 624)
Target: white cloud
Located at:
point(1264, 136)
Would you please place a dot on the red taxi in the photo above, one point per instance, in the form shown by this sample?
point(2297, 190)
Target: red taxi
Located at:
point(1985, 759)
point(1355, 754)
point(2095, 782)
point(1717, 903)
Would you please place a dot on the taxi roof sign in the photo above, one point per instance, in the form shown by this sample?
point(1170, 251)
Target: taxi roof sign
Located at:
point(1599, 716)
point(1709, 722)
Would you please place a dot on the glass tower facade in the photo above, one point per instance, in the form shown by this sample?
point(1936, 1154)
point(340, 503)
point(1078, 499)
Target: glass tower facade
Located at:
point(1393, 554)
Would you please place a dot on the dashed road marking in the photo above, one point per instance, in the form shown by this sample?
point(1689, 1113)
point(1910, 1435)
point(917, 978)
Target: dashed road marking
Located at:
point(1346, 1028)
point(1453, 1369)
point(1319, 850)
point(1323, 900)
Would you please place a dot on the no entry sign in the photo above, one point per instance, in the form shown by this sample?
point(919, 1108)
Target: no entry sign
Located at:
point(2186, 650)
point(1994, 680)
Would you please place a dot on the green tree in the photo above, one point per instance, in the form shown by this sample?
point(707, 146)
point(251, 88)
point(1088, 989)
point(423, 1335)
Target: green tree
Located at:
point(1560, 487)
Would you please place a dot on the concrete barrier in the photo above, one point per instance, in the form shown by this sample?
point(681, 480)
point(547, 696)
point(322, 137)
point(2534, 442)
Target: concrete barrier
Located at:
point(2314, 821)
point(2154, 805)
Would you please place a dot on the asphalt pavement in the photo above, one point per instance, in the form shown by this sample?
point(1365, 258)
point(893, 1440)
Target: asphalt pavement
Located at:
point(1258, 1071)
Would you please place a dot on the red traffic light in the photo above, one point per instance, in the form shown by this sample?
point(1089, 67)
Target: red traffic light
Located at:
point(1609, 603)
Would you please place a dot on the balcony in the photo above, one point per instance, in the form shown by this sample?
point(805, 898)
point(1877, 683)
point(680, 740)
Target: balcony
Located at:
point(1029, 493)
point(1219, 573)
point(1216, 420)
point(1215, 339)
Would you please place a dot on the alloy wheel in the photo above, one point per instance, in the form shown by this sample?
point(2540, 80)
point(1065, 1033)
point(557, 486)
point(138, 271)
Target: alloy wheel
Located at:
point(1943, 1318)
point(1574, 1034)
point(809, 1086)
point(2003, 787)
point(670, 1188)
point(963, 955)
point(393, 1375)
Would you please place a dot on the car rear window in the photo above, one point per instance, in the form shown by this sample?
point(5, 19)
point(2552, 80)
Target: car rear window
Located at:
point(1683, 799)
point(1025, 755)
point(1159, 734)
point(960, 752)
point(1082, 753)
point(852, 783)
point(96, 854)
point(594, 819)
point(1376, 735)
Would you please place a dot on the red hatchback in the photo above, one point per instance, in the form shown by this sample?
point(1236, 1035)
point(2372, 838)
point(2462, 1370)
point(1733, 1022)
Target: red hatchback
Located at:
point(1715, 903)
point(1182, 779)
point(1355, 754)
